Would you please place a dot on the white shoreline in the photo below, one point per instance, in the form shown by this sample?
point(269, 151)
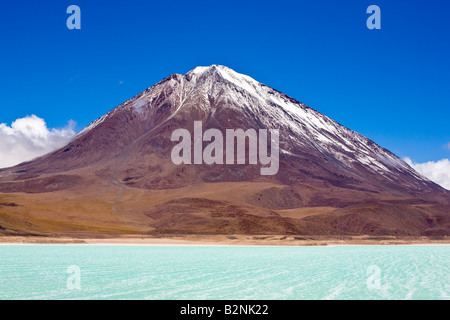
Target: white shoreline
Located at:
point(215, 244)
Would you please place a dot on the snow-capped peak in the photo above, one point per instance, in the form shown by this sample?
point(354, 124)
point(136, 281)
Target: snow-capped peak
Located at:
point(302, 126)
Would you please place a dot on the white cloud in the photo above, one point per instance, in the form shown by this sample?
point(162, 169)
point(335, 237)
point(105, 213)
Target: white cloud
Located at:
point(28, 138)
point(438, 171)
point(447, 146)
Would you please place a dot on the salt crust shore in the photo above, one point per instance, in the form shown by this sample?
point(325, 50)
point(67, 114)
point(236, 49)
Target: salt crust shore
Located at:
point(223, 240)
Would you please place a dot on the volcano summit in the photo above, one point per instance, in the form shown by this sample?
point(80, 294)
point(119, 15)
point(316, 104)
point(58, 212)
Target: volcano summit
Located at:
point(117, 177)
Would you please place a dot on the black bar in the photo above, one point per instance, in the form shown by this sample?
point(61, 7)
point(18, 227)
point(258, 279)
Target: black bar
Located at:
point(222, 309)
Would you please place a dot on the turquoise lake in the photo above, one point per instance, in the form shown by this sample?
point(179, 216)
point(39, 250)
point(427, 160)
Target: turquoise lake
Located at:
point(189, 272)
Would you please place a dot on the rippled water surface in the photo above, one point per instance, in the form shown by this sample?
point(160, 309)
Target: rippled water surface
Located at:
point(175, 272)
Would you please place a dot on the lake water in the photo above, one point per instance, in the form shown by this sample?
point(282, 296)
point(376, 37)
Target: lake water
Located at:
point(175, 272)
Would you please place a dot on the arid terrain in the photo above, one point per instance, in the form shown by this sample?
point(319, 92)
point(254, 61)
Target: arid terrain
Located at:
point(205, 210)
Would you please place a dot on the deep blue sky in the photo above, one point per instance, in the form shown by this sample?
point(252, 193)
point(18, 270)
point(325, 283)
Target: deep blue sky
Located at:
point(391, 85)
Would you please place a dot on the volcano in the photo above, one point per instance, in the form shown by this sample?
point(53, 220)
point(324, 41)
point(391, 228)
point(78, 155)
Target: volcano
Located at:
point(117, 177)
